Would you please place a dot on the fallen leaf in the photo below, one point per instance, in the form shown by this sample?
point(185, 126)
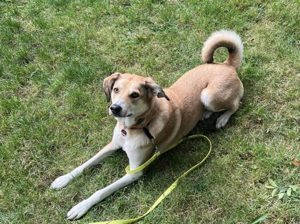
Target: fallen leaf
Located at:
point(274, 192)
point(280, 195)
point(289, 192)
point(296, 162)
point(272, 182)
point(260, 219)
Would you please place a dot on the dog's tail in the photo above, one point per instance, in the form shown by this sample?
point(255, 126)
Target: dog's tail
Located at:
point(224, 38)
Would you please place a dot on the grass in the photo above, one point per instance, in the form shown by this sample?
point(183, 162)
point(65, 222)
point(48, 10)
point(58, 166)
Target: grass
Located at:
point(54, 56)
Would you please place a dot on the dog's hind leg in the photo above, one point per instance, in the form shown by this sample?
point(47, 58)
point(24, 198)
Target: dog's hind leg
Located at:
point(63, 181)
point(224, 118)
point(217, 98)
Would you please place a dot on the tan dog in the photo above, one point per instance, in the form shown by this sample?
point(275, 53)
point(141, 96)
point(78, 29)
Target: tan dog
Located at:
point(144, 110)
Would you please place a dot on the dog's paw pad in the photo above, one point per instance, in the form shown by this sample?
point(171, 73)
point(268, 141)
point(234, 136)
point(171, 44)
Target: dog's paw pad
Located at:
point(61, 181)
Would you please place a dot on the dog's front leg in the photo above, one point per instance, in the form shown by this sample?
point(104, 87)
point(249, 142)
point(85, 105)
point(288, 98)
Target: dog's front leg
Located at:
point(63, 181)
point(80, 209)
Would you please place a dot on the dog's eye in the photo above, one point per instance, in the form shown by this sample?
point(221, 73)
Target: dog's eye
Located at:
point(134, 95)
point(116, 90)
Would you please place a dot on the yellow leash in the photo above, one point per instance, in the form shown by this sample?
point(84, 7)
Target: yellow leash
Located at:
point(169, 189)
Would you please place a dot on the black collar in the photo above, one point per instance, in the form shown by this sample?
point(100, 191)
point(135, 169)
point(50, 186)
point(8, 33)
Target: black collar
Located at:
point(147, 133)
point(151, 137)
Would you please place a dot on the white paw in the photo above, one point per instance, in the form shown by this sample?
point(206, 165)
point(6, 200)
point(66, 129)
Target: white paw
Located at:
point(61, 181)
point(222, 121)
point(207, 114)
point(79, 210)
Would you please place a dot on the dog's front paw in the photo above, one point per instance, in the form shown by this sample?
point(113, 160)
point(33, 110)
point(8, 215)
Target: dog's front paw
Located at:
point(79, 210)
point(61, 181)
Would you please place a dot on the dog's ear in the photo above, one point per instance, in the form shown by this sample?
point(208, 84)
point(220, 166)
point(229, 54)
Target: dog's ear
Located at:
point(108, 84)
point(154, 89)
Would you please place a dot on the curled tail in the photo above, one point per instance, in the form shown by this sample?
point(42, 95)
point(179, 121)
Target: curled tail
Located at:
point(224, 38)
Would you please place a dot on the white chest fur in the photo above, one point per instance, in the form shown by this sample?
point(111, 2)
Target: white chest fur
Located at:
point(135, 143)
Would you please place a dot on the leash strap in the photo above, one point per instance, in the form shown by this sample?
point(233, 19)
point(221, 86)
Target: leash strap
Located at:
point(170, 188)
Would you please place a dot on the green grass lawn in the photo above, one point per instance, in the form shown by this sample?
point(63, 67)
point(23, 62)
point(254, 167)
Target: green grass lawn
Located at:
point(54, 55)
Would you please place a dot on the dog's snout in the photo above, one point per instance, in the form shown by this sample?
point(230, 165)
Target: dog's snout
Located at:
point(115, 109)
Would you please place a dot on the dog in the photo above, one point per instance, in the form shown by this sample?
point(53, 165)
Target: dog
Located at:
point(146, 113)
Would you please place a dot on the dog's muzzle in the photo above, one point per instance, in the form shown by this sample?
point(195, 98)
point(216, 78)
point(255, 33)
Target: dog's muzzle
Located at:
point(116, 110)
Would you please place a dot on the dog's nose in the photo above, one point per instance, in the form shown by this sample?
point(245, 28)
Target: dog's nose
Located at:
point(115, 109)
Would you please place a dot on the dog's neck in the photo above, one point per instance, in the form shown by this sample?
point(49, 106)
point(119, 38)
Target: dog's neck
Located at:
point(144, 119)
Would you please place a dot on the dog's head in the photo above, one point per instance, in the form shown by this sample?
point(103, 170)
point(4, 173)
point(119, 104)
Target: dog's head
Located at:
point(130, 95)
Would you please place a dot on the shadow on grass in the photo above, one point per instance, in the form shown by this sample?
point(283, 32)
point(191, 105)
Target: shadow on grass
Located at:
point(181, 154)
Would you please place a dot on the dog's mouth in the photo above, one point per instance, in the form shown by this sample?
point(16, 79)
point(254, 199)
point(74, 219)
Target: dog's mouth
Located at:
point(122, 116)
